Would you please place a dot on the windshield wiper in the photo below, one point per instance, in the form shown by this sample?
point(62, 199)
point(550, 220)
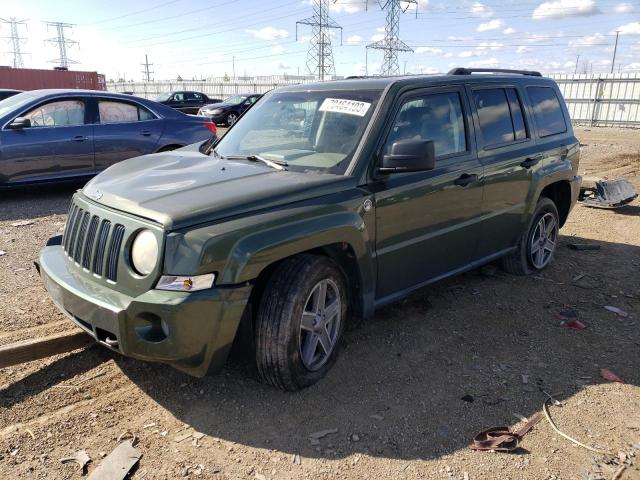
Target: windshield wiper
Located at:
point(277, 164)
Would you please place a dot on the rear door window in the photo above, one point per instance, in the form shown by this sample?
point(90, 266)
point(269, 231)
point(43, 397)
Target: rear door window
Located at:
point(547, 111)
point(494, 116)
point(519, 128)
point(437, 117)
point(121, 112)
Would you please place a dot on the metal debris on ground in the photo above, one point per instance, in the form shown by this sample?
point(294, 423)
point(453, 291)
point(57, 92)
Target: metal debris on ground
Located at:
point(617, 311)
point(81, 458)
point(118, 464)
point(604, 193)
point(610, 376)
point(575, 325)
point(2, 252)
point(503, 439)
point(23, 223)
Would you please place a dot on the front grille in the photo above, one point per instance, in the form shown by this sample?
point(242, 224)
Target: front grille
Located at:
point(92, 243)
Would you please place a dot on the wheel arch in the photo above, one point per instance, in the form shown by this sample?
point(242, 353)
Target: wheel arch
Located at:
point(559, 193)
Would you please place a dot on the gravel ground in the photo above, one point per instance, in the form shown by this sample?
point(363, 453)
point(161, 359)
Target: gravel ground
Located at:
point(396, 393)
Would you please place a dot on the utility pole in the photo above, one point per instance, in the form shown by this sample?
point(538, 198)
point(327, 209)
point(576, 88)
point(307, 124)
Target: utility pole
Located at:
point(15, 39)
point(233, 62)
point(62, 43)
point(391, 43)
point(615, 49)
point(320, 54)
point(577, 59)
point(146, 73)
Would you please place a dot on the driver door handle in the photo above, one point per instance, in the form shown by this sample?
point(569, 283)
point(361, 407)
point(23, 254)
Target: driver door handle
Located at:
point(531, 161)
point(145, 133)
point(465, 179)
point(80, 138)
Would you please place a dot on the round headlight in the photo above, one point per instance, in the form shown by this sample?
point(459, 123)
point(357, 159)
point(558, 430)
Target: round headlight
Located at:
point(144, 252)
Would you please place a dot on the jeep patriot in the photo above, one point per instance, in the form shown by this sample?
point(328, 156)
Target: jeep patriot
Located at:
point(322, 203)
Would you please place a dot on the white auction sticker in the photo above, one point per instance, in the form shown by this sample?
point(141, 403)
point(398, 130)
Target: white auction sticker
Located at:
point(341, 105)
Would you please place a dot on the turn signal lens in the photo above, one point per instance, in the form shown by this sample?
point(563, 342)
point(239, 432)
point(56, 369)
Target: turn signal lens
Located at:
point(186, 284)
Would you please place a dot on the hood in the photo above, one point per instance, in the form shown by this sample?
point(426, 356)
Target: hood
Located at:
point(182, 188)
point(209, 106)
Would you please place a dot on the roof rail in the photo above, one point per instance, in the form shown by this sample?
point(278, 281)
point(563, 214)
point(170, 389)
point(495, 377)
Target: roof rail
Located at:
point(469, 71)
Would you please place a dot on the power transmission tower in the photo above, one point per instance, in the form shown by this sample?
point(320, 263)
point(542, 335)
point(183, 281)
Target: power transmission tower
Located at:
point(391, 43)
point(62, 43)
point(15, 39)
point(146, 72)
point(320, 54)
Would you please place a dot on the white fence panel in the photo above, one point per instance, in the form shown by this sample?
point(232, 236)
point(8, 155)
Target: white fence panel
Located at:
point(609, 99)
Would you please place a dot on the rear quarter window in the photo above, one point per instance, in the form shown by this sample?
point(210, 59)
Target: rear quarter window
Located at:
point(547, 111)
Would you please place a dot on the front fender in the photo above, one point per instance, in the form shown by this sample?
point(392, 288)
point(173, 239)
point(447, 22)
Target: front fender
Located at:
point(240, 249)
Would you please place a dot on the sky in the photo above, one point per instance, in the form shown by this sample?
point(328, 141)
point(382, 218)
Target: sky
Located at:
point(208, 38)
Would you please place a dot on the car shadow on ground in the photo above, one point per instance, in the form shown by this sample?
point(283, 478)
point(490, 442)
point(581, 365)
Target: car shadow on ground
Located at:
point(494, 339)
point(36, 201)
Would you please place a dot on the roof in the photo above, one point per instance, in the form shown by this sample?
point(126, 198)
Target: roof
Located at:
point(76, 91)
point(380, 83)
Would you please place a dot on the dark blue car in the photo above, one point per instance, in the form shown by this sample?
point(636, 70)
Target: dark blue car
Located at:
point(49, 135)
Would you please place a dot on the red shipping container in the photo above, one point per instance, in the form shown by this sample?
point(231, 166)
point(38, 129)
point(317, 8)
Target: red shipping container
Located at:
point(33, 79)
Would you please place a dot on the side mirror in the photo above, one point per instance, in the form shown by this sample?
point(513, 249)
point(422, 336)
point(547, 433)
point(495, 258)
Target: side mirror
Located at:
point(19, 123)
point(409, 155)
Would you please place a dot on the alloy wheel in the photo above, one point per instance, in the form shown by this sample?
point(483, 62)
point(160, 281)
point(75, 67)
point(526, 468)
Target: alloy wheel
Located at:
point(543, 241)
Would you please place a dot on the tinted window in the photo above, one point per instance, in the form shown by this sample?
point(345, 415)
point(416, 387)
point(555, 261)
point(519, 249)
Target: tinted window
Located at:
point(178, 97)
point(516, 114)
point(57, 114)
point(121, 112)
point(494, 116)
point(547, 110)
point(436, 117)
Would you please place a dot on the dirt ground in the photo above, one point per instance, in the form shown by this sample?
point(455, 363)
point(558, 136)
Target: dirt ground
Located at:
point(396, 393)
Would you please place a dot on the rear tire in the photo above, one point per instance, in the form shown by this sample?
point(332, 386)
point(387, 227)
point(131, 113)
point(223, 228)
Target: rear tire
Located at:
point(534, 253)
point(231, 119)
point(300, 321)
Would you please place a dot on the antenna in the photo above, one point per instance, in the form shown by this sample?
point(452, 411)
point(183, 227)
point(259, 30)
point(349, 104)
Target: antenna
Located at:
point(146, 72)
point(391, 43)
point(62, 43)
point(15, 39)
point(320, 54)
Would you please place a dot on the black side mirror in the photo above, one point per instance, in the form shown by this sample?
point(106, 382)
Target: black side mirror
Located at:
point(19, 123)
point(409, 155)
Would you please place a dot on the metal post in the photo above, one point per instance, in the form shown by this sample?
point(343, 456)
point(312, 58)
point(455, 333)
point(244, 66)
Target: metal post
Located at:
point(615, 49)
point(576, 70)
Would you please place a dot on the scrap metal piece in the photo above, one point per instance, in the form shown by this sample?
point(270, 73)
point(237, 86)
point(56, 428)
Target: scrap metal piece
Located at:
point(603, 193)
point(118, 463)
point(81, 458)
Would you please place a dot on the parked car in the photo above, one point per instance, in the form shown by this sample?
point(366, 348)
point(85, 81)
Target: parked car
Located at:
point(8, 92)
point(325, 202)
point(228, 111)
point(48, 135)
point(186, 102)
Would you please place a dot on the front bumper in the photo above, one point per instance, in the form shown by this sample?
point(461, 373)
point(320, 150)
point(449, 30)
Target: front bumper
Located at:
point(217, 118)
point(190, 331)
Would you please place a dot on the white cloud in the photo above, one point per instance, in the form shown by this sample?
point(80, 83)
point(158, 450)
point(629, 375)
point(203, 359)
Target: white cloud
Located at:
point(429, 50)
point(453, 38)
point(509, 31)
point(283, 66)
point(448, 55)
point(494, 24)
point(597, 39)
point(353, 39)
point(377, 37)
point(479, 9)
point(565, 8)
point(348, 6)
point(623, 8)
point(466, 54)
point(380, 29)
point(490, 46)
point(522, 49)
point(488, 63)
point(269, 33)
point(278, 49)
point(632, 28)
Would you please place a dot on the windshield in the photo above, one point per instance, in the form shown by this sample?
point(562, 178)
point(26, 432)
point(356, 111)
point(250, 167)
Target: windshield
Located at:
point(235, 99)
point(163, 97)
point(10, 104)
point(309, 131)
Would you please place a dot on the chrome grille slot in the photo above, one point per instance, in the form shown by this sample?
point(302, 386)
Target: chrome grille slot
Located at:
point(113, 254)
point(89, 242)
point(82, 230)
point(68, 228)
point(65, 234)
point(103, 235)
point(74, 231)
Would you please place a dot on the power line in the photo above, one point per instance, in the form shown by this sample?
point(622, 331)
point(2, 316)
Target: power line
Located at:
point(391, 43)
point(16, 40)
point(320, 54)
point(146, 72)
point(62, 43)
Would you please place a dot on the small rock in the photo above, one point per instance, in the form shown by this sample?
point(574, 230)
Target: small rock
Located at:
point(355, 437)
point(22, 223)
point(377, 417)
point(259, 476)
point(323, 433)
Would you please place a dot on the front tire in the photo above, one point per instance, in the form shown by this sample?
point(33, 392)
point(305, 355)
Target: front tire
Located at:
point(231, 119)
point(300, 321)
point(538, 244)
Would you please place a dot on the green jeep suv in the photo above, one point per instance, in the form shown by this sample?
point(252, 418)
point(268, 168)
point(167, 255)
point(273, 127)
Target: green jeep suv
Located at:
point(322, 203)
